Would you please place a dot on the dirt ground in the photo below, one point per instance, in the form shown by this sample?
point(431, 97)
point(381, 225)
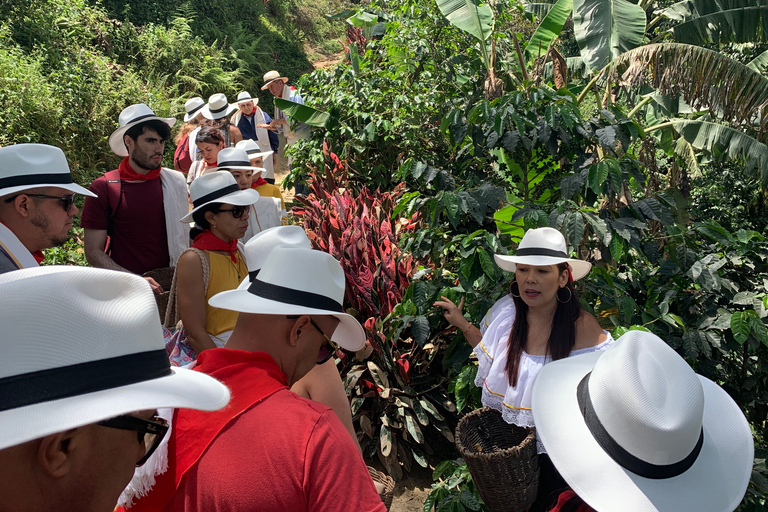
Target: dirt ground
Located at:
point(412, 490)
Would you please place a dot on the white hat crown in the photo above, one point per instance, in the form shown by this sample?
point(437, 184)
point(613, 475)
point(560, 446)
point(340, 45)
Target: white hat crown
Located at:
point(549, 239)
point(135, 113)
point(311, 272)
point(194, 104)
point(207, 185)
point(233, 157)
point(258, 248)
point(246, 96)
point(25, 166)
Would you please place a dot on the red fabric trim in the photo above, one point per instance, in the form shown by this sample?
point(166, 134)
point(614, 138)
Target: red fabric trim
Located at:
point(261, 181)
point(128, 174)
point(39, 256)
point(207, 241)
point(251, 378)
point(571, 498)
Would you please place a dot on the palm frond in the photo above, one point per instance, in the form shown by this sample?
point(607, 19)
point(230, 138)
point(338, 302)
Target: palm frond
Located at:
point(540, 8)
point(744, 25)
point(759, 63)
point(692, 9)
point(687, 152)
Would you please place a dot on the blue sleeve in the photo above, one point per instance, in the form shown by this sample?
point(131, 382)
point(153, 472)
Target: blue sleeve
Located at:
point(296, 98)
point(274, 140)
point(267, 119)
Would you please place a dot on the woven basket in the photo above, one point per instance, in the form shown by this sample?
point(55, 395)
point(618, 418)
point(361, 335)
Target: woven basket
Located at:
point(501, 458)
point(387, 482)
point(164, 277)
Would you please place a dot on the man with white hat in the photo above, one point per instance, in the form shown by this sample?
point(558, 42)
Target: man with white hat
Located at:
point(140, 203)
point(272, 450)
point(36, 203)
point(278, 86)
point(634, 429)
point(254, 125)
point(80, 387)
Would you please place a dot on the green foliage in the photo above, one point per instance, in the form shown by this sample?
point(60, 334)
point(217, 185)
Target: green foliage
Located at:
point(454, 489)
point(71, 253)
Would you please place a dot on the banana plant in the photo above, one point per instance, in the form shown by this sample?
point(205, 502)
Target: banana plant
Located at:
point(719, 21)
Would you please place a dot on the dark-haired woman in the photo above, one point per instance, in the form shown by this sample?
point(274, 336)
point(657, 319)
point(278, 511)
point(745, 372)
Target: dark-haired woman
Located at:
point(539, 321)
point(209, 142)
point(221, 211)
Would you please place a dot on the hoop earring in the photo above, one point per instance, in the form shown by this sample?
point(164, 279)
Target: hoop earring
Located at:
point(570, 295)
point(512, 287)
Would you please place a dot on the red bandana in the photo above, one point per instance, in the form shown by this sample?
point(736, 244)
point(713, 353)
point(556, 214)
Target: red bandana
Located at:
point(128, 174)
point(259, 182)
point(39, 256)
point(207, 241)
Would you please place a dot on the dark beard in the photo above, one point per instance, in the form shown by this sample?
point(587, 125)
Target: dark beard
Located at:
point(144, 163)
point(41, 222)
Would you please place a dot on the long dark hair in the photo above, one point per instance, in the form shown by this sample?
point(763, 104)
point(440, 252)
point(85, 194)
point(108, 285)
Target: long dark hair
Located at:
point(562, 337)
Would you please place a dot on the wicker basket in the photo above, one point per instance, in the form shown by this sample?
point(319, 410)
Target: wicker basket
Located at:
point(387, 482)
point(164, 277)
point(501, 458)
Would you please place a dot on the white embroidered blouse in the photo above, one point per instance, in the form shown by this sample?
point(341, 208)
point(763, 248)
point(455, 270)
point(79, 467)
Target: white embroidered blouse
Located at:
point(514, 403)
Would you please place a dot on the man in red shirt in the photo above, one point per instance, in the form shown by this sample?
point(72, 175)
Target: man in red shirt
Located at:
point(140, 203)
point(271, 450)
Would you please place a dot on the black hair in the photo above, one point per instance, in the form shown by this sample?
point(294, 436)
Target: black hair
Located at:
point(562, 337)
point(199, 216)
point(162, 129)
point(209, 135)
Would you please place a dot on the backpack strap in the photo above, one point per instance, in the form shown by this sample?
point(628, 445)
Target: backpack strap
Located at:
point(171, 319)
point(114, 198)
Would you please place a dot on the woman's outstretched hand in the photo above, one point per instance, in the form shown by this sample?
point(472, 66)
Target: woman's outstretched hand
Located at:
point(453, 312)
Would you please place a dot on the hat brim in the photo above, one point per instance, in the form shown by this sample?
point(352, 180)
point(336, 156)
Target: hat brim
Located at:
point(116, 138)
point(349, 334)
point(266, 84)
point(254, 100)
point(181, 389)
point(206, 111)
point(72, 187)
point(228, 167)
point(579, 268)
point(262, 154)
point(716, 482)
point(189, 117)
point(240, 198)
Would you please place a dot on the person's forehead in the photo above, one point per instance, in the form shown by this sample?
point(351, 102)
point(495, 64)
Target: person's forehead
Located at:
point(149, 133)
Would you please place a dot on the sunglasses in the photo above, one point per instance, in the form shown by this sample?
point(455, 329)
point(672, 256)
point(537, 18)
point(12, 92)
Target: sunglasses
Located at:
point(328, 349)
point(150, 432)
point(237, 211)
point(67, 201)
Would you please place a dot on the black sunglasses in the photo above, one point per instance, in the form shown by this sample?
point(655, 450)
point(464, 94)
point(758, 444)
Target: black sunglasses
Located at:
point(150, 432)
point(236, 211)
point(67, 201)
point(328, 349)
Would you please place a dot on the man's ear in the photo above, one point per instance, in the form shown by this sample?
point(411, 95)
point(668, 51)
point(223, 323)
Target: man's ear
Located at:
point(128, 143)
point(299, 326)
point(22, 204)
point(55, 454)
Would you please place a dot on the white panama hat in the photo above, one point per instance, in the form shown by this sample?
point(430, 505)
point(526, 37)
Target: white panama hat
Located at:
point(233, 158)
point(252, 148)
point(81, 345)
point(192, 107)
point(26, 166)
point(218, 107)
point(246, 96)
point(296, 281)
point(543, 246)
point(261, 244)
point(129, 117)
point(638, 408)
point(271, 76)
point(218, 187)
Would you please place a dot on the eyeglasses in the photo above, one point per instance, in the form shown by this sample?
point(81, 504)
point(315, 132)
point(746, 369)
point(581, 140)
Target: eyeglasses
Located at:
point(67, 201)
point(328, 349)
point(237, 211)
point(150, 432)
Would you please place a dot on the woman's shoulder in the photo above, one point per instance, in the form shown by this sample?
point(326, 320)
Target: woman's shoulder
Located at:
point(588, 332)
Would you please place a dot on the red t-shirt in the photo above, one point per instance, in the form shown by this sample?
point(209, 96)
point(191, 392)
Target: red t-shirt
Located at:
point(285, 453)
point(138, 240)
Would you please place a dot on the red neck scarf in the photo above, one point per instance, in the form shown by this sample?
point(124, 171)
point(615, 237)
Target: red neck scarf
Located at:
point(251, 378)
point(39, 256)
point(128, 174)
point(207, 241)
point(259, 182)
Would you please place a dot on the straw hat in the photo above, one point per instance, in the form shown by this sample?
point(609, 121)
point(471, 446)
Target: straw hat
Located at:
point(193, 106)
point(298, 282)
point(26, 166)
point(218, 107)
point(634, 429)
point(543, 246)
point(271, 76)
point(261, 244)
point(218, 187)
point(129, 117)
point(95, 354)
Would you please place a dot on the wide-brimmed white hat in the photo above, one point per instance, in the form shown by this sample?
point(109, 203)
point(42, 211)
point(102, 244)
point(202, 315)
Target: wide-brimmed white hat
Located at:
point(543, 246)
point(26, 166)
point(234, 158)
point(271, 76)
point(634, 429)
point(192, 107)
point(246, 96)
point(96, 354)
point(218, 107)
point(218, 187)
point(261, 245)
point(129, 117)
point(252, 148)
point(297, 281)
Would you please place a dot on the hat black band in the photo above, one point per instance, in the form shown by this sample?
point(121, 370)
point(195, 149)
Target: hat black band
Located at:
point(540, 251)
point(295, 297)
point(252, 275)
point(190, 112)
point(83, 378)
point(252, 151)
point(135, 119)
point(230, 189)
point(621, 456)
point(239, 163)
point(59, 178)
point(222, 109)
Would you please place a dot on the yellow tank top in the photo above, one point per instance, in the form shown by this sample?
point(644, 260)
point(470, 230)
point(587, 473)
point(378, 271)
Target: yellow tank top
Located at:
point(224, 275)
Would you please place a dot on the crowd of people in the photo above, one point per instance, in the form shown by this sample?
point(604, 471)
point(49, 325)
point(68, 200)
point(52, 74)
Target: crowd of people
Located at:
point(233, 401)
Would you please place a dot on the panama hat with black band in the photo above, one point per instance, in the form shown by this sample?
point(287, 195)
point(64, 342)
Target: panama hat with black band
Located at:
point(27, 166)
point(218, 187)
point(130, 117)
point(271, 76)
point(218, 107)
point(634, 429)
point(540, 247)
point(96, 355)
point(252, 148)
point(244, 96)
point(261, 245)
point(233, 158)
point(193, 108)
point(295, 281)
